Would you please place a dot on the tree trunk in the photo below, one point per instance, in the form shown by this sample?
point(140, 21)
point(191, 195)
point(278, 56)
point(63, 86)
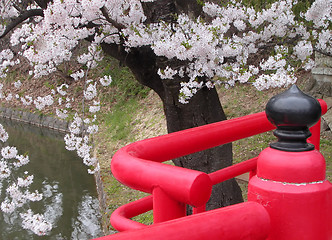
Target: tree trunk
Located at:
point(203, 108)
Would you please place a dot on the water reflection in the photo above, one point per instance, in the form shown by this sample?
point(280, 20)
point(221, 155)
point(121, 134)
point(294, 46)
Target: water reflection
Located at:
point(85, 223)
point(70, 198)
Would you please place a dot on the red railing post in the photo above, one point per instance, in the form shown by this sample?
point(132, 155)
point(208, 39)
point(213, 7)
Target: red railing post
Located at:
point(165, 207)
point(290, 181)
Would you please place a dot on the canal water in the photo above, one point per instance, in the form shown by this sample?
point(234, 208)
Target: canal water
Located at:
point(70, 198)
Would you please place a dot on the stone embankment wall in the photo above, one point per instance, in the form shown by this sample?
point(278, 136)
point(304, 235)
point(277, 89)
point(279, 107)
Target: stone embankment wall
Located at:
point(323, 70)
point(59, 125)
point(320, 86)
point(103, 204)
point(34, 119)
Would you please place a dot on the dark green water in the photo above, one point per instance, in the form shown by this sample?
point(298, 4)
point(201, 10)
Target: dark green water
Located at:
point(70, 199)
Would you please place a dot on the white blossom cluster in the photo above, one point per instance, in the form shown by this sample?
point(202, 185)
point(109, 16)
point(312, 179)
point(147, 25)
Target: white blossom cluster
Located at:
point(204, 47)
point(7, 10)
point(91, 58)
point(95, 107)
point(81, 128)
point(41, 102)
point(82, 146)
point(26, 100)
point(320, 13)
point(17, 192)
point(207, 45)
point(62, 89)
point(3, 134)
point(106, 80)
point(91, 91)
point(78, 75)
point(6, 61)
point(36, 223)
point(2, 95)
point(18, 84)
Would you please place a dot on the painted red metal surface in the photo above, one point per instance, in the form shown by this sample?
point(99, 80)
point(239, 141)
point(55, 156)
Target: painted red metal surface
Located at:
point(297, 211)
point(121, 216)
point(291, 167)
point(238, 222)
point(233, 171)
point(293, 189)
point(138, 166)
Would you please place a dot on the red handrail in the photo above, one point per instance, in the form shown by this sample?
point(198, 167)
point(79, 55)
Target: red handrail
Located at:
point(233, 171)
point(121, 216)
point(234, 222)
point(138, 165)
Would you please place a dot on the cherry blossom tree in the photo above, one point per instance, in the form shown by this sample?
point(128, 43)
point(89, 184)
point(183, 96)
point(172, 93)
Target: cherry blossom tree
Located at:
point(180, 49)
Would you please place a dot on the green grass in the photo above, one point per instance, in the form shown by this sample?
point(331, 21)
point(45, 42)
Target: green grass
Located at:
point(120, 106)
point(12, 76)
point(248, 148)
point(119, 120)
point(122, 96)
point(124, 86)
point(119, 195)
point(326, 150)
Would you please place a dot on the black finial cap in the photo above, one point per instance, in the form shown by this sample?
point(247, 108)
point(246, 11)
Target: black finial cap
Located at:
point(293, 112)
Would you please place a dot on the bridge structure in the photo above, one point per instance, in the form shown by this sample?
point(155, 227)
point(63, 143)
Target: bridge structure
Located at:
point(289, 197)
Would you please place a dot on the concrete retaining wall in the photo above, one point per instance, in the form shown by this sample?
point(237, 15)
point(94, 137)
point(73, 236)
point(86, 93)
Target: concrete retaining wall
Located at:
point(34, 119)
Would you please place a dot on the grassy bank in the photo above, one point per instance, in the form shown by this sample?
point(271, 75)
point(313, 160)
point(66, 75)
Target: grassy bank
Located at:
point(129, 113)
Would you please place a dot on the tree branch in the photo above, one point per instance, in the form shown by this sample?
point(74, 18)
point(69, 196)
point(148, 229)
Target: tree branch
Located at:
point(43, 3)
point(24, 16)
point(117, 25)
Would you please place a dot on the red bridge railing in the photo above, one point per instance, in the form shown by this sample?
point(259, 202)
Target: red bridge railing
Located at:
point(139, 166)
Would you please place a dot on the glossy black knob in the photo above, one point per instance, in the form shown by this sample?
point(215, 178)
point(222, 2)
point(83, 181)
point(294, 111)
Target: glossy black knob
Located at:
point(293, 112)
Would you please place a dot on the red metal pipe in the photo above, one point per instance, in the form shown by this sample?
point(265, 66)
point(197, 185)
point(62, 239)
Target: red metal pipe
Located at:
point(183, 185)
point(315, 130)
point(233, 171)
point(166, 208)
point(199, 209)
point(137, 165)
point(120, 218)
point(242, 221)
point(323, 105)
point(170, 146)
point(292, 188)
point(174, 145)
point(315, 137)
